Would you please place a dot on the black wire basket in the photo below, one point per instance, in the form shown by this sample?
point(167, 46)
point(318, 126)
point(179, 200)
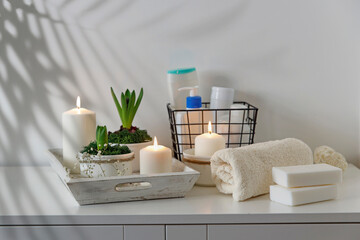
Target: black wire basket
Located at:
point(237, 125)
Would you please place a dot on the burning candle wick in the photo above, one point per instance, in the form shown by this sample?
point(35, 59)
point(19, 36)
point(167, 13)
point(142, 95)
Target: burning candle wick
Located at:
point(78, 102)
point(156, 146)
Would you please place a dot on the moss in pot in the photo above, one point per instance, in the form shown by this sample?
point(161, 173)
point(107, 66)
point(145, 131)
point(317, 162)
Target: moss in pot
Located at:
point(101, 159)
point(129, 135)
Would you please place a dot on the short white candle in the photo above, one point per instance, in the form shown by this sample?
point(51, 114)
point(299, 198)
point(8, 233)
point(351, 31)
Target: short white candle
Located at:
point(79, 125)
point(208, 143)
point(155, 159)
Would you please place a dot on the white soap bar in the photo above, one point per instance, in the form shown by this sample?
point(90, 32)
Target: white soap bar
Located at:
point(306, 175)
point(302, 195)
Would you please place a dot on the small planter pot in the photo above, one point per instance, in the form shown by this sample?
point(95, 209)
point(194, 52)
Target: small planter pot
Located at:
point(200, 164)
point(135, 148)
point(95, 166)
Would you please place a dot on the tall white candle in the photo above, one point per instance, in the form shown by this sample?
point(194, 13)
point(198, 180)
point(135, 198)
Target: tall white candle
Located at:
point(208, 143)
point(155, 159)
point(79, 125)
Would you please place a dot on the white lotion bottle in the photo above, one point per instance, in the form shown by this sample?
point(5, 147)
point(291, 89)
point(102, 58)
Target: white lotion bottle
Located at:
point(238, 124)
point(180, 78)
point(221, 99)
point(193, 102)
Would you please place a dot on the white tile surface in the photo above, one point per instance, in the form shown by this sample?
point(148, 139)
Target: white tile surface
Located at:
point(35, 195)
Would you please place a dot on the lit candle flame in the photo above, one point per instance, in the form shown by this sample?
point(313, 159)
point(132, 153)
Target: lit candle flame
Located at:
point(209, 127)
point(156, 146)
point(78, 102)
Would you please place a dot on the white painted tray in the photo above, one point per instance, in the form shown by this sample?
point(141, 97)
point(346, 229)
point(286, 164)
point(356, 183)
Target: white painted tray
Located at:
point(125, 188)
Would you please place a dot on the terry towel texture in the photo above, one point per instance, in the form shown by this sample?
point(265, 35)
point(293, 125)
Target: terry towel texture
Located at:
point(246, 171)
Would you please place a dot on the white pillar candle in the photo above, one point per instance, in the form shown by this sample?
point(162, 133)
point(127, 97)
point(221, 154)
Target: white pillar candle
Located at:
point(155, 159)
point(79, 125)
point(208, 143)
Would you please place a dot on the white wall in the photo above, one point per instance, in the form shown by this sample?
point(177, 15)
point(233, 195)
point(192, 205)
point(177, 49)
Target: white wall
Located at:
point(298, 61)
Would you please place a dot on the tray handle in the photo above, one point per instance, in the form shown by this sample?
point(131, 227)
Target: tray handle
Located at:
point(132, 186)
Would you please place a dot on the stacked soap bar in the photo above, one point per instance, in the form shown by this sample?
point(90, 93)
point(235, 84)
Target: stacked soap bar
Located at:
point(305, 183)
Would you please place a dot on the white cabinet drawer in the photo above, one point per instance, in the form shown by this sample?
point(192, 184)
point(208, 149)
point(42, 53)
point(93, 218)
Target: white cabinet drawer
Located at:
point(186, 232)
point(285, 231)
point(62, 233)
point(144, 232)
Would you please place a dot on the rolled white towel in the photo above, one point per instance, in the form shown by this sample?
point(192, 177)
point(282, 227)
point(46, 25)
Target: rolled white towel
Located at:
point(246, 171)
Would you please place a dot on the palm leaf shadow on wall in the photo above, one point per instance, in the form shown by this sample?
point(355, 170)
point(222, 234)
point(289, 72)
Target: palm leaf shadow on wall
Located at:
point(34, 64)
point(42, 57)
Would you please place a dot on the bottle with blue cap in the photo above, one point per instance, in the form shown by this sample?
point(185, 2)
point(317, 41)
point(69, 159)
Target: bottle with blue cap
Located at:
point(193, 101)
point(177, 79)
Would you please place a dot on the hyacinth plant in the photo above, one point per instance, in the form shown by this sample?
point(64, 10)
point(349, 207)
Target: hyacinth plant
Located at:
point(127, 108)
point(101, 138)
point(101, 145)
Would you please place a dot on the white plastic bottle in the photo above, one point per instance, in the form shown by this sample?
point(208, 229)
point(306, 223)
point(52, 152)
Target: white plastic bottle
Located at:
point(193, 102)
point(238, 124)
point(221, 97)
point(180, 78)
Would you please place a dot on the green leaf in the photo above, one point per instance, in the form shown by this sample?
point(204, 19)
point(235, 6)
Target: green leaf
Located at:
point(131, 102)
point(123, 101)
point(101, 137)
point(117, 104)
point(138, 101)
point(127, 93)
point(124, 111)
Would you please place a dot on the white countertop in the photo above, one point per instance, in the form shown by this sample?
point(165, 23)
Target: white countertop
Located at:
point(36, 196)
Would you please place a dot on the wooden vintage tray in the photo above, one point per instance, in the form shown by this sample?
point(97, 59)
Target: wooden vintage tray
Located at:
point(125, 188)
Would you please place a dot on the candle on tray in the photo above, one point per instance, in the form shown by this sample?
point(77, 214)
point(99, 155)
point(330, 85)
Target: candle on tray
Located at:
point(208, 143)
point(155, 159)
point(78, 130)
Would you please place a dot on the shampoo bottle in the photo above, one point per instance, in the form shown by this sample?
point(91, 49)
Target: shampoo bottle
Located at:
point(193, 102)
point(238, 126)
point(177, 79)
point(191, 121)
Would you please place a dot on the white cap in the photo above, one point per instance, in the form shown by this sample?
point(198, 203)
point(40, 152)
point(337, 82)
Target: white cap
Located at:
point(222, 92)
